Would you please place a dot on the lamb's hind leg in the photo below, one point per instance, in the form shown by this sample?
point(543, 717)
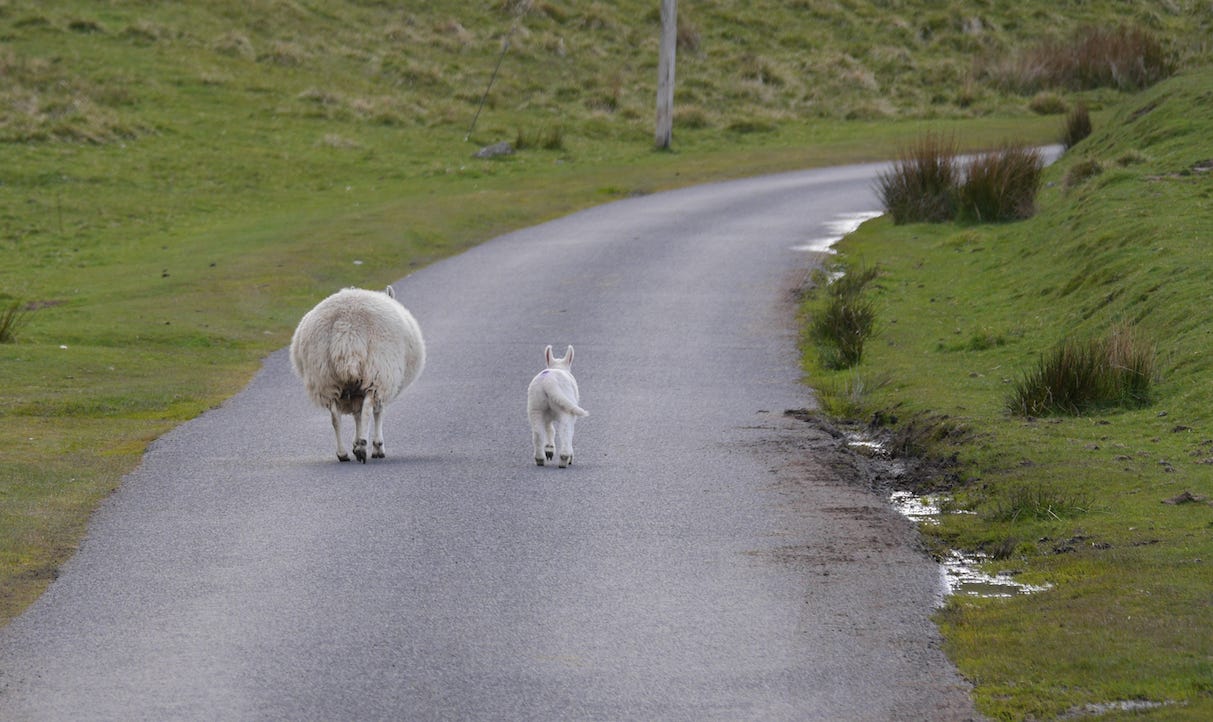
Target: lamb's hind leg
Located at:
point(565, 434)
point(377, 434)
point(342, 454)
point(549, 439)
point(541, 434)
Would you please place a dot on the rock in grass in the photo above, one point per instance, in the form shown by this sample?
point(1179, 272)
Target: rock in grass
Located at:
point(1185, 498)
point(495, 150)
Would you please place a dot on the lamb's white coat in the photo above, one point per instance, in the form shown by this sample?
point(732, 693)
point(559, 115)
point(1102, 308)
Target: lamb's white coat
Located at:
point(552, 405)
point(355, 352)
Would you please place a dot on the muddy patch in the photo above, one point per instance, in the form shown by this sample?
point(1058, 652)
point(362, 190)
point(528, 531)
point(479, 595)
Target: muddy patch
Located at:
point(907, 484)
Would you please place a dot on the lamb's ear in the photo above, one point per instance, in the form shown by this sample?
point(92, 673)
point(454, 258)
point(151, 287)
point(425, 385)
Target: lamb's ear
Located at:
point(547, 356)
point(391, 292)
point(568, 356)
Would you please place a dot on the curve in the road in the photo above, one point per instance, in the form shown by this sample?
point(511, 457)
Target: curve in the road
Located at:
point(701, 560)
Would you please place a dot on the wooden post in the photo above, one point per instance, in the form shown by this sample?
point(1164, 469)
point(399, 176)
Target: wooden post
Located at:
point(665, 73)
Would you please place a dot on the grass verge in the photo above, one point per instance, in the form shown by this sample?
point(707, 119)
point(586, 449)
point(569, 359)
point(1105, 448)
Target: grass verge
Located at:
point(1110, 506)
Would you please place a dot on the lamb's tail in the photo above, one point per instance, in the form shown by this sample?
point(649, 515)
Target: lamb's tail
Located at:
point(566, 405)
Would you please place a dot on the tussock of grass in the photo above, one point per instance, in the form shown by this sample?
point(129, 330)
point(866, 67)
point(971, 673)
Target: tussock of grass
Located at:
point(1115, 371)
point(1048, 103)
point(545, 139)
point(927, 185)
point(845, 320)
point(12, 316)
point(1001, 185)
point(847, 398)
point(1124, 58)
point(921, 187)
point(1077, 126)
point(1081, 172)
point(923, 436)
point(1038, 502)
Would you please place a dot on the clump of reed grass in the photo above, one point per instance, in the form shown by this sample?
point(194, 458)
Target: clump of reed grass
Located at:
point(1124, 58)
point(1035, 502)
point(846, 399)
point(924, 436)
point(691, 117)
point(12, 317)
point(926, 184)
point(845, 321)
point(1001, 185)
point(545, 139)
point(1077, 126)
point(1115, 371)
point(1047, 103)
point(1081, 172)
point(921, 187)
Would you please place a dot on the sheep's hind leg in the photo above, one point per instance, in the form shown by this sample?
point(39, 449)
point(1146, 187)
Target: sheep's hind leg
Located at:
point(362, 420)
point(342, 454)
point(377, 437)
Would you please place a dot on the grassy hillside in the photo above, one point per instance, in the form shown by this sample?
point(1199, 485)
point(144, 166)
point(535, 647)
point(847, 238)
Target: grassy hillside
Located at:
point(124, 70)
point(180, 181)
point(1122, 239)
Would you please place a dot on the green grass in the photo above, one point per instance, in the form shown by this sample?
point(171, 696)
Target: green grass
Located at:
point(181, 181)
point(1074, 501)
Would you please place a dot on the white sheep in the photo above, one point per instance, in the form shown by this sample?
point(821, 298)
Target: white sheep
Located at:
point(552, 406)
point(356, 351)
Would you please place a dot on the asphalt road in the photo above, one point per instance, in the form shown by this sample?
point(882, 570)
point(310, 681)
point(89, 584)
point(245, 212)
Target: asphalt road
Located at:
point(701, 560)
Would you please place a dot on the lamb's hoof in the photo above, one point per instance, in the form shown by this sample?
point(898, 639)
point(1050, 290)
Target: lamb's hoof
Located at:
point(539, 461)
point(565, 461)
point(549, 453)
point(378, 452)
point(360, 450)
point(343, 457)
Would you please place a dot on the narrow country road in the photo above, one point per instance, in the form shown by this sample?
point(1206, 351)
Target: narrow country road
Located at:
point(700, 561)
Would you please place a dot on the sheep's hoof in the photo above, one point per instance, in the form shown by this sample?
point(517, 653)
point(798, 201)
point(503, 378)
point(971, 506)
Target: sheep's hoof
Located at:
point(538, 461)
point(549, 453)
point(565, 460)
point(343, 457)
point(360, 450)
point(378, 452)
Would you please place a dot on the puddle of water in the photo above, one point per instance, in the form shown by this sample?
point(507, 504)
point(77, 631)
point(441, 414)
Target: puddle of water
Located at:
point(1131, 705)
point(921, 509)
point(959, 573)
point(839, 227)
point(862, 442)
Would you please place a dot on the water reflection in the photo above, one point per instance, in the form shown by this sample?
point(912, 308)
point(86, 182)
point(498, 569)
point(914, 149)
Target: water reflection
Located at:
point(960, 572)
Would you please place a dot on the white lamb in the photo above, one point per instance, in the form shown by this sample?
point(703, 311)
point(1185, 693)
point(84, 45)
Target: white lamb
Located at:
point(551, 405)
point(356, 351)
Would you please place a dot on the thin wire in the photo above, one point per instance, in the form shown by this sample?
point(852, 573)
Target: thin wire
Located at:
point(504, 47)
